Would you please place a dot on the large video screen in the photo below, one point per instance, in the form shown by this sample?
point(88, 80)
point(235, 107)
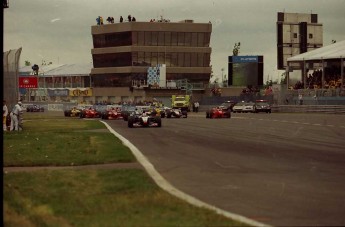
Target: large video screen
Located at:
point(244, 71)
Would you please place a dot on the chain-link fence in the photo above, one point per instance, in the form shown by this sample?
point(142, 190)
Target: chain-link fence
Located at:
point(10, 77)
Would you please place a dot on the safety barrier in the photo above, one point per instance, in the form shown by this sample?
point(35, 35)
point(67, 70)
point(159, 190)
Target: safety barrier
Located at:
point(331, 109)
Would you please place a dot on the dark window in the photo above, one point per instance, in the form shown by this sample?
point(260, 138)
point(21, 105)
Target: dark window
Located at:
point(173, 38)
point(188, 38)
point(147, 60)
point(134, 38)
point(194, 60)
point(148, 40)
point(295, 35)
point(161, 39)
point(161, 58)
point(141, 38)
point(310, 36)
point(168, 59)
point(154, 38)
point(112, 60)
point(181, 41)
point(201, 39)
point(141, 57)
point(187, 60)
point(174, 59)
point(167, 38)
point(194, 39)
point(313, 18)
point(154, 58)
point(180, 59)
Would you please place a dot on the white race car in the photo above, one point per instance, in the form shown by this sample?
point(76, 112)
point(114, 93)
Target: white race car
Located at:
point(176, 113)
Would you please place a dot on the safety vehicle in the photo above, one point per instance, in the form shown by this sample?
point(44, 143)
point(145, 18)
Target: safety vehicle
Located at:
point(262, 106)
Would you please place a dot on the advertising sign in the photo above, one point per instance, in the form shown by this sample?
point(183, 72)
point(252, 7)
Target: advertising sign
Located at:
point(28, 82)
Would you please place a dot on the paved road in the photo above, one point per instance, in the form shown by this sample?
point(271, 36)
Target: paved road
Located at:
point(278, 169)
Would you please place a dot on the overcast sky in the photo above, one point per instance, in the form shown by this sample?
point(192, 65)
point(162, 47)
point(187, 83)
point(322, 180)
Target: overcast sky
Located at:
point(59, 31)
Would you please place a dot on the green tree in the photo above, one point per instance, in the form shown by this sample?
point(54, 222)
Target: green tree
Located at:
point(27, 63)
point(236, 49)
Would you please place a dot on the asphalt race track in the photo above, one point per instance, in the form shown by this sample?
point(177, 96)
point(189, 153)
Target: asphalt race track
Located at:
point(278, 169)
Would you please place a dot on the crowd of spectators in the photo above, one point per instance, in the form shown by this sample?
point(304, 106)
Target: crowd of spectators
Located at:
point(130, 103)
point(110, 20)
point(332, 79)
point(160, 20)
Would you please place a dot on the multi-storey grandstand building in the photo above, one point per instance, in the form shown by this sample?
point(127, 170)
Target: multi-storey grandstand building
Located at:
point(123, 52)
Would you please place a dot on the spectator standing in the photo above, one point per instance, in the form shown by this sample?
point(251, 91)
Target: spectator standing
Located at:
point(133, 19)
point(98, 19)
point(129, 18)
point(15, 116)
point(300, 98)
point(121, 19)
point(101, 20)
point(4, 115)
point(196, 106)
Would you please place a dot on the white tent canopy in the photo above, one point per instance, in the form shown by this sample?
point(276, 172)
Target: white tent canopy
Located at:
point(332, 51)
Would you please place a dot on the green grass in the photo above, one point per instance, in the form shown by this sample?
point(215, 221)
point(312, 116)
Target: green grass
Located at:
point(85, 197)
point(63, 141)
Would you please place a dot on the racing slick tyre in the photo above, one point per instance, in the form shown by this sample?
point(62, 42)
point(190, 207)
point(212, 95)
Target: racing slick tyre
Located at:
point(158, 121)
point(207, 114)
point(168, 114)
point(228, 114)
point(104, 116)
point(184, 114)
point(130, 122)
point(82, 114)
point(67, 113)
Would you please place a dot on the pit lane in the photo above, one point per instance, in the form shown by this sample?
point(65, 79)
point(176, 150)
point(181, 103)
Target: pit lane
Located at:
point(278, 169)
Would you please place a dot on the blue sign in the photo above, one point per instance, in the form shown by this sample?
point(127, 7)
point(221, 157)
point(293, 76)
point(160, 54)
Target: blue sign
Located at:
point(241, 59)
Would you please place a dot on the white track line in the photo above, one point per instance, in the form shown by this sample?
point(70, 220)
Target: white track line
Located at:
point(165, 185)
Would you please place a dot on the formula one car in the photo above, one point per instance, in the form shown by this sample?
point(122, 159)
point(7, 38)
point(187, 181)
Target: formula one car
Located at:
point(113, 113)
point(157, 111)
point(177, 113)
point(218, 112)
point(34, 108)
point(144, 120)
point(126, 111)
point(90, 113)
point(74, 112)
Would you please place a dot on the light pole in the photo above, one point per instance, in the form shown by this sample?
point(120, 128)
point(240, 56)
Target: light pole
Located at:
point(222, 76)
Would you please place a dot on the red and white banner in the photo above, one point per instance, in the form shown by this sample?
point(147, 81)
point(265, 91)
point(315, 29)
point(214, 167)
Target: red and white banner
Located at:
point(28, 82)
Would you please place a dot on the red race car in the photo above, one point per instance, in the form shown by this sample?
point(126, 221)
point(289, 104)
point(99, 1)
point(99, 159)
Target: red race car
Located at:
point(218, 112)
point(89, 113)
point(113, 113)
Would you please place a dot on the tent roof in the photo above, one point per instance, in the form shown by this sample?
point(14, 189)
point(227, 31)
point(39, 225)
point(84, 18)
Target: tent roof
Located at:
point(60, 70)
point(332, 51)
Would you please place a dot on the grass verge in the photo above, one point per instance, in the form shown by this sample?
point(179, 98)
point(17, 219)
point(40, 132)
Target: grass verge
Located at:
point(87, 197)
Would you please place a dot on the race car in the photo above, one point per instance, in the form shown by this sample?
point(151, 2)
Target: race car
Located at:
point(177, 113)
point(157, 111)
point(34, 108)
point(90, 113)
point(113, 113)
point(74, 112)
point(144, 120)
point(218, 112)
